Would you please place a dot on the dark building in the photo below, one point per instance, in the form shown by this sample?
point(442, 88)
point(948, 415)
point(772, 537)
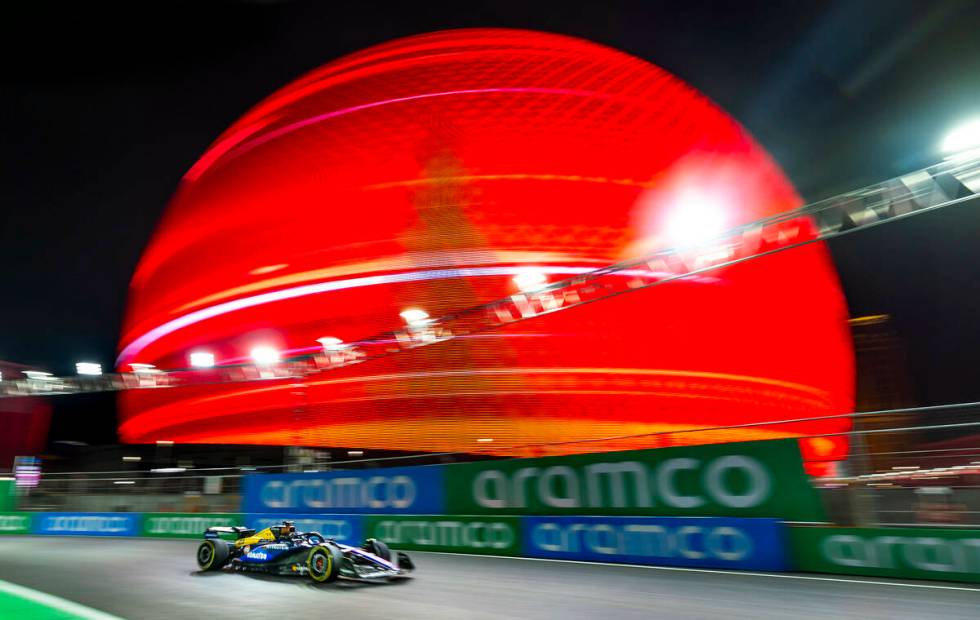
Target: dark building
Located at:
point(884, 382)
point(24, 421)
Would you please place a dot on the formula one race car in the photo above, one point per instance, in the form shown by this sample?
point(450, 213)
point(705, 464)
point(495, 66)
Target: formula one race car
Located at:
point(281, 550)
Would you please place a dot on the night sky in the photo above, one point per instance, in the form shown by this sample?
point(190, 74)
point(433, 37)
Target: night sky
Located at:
point(105, 107)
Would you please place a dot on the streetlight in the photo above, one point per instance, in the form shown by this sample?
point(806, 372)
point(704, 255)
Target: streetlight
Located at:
point(88, 368)
point(530, 280)
point(202, 359)
point(695, 218)
point(963, 140)
point(265, 355)
point(414, 316)
point(329, 343)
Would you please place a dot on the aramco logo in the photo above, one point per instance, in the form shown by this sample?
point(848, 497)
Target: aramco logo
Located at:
point(629, 484)
point(375, 492)
point(925, 553)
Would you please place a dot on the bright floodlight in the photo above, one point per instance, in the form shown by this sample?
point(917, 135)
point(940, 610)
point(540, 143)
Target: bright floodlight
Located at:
point(695, 219)
point(330, 343)
point(202, 359)
point(530, 280)
point(265, 356)
point(88, 368)
point(415, 316)
point(963, 138)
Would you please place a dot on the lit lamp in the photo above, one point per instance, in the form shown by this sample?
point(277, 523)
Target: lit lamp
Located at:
point(329, 343)
point(202, 359)
point(963, 141)
point(88, 368)
point(265, 356)
point(415, 317)
point(530, 280)
point(695, 219)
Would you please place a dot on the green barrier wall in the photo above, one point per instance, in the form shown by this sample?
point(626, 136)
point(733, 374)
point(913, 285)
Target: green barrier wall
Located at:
point(748, 479)
point(15, 522)
point(485, 535)
point(183, 525)
point(8, 501)
point(910, 553)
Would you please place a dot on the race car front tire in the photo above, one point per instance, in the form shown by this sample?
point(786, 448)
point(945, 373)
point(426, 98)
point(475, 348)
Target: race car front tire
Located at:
point(323, 563)
point(378, 548)
point(212, 554)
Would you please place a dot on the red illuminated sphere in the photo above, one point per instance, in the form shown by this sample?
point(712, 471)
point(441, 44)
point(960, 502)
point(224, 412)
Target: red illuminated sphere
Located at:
point(426, 173)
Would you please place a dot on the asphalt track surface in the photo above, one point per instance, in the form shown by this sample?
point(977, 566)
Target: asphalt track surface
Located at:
point(158, 579)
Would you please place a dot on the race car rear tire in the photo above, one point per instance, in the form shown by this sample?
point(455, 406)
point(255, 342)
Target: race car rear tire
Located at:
point(378, 548)
point(323, 563)
point(212, 554)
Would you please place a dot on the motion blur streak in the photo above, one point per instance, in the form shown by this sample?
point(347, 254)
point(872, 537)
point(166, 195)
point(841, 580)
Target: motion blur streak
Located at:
point(134, 348)
point(422, 175)
point(306, 122)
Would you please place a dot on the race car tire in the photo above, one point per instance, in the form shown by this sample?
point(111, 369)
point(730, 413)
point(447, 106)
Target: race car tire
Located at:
point(378, 548)
point(212, 554)
point(405, 562)
point(323, 563)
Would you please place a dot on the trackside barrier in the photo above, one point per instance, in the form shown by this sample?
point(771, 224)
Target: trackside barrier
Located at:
point(347, 529)
point(87, 523)
point(16, 522)
point(909, 553)
point(411, 490)
point(746, 479)
point(8, 500)
point(750, 544)
point(707, 542)
point(453, 534)
point(184, 525)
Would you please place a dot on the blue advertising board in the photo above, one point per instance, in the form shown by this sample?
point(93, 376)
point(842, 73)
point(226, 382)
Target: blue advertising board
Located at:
point(87, 523)
point(709, 542)
point(347, 529)
point(410, 490)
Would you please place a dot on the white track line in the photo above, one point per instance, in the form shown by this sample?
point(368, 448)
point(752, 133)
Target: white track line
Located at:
point(55, 602)
point(721, 572)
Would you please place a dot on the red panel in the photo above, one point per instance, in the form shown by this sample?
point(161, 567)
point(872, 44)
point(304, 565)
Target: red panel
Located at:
point(367, 186)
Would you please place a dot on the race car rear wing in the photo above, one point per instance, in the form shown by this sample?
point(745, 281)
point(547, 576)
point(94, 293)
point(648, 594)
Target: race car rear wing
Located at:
point(239, 532)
